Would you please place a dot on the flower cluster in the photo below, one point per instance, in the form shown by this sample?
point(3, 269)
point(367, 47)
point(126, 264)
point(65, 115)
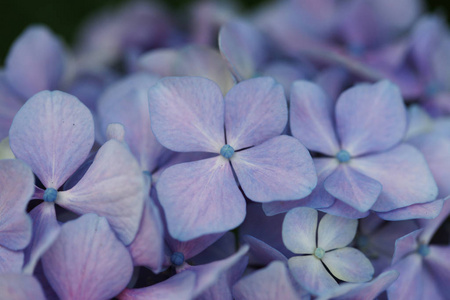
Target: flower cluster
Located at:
point(302, 151)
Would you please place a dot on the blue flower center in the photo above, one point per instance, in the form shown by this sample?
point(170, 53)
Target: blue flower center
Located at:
point(50, 195)
point(319, 253)
point(423, 250)
point(177, 258)
point(343, 156)
point(227, 151)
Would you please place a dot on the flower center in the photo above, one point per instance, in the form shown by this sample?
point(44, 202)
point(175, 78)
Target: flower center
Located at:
point(319, 253)
point(50, 195)
point(227, 151)
point(343, 156)
point(423, 250)
point(177, 258)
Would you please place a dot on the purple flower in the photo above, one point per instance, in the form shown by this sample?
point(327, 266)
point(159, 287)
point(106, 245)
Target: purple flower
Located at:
point(201, 197)
point(20, 287)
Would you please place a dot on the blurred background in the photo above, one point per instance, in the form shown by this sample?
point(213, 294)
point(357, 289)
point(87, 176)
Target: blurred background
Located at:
point(64, 17)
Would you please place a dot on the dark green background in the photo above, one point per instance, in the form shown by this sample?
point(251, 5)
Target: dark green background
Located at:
point(65, 16)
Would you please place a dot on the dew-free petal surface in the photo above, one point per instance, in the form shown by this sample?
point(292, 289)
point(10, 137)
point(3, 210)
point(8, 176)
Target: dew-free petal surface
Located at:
point(35, 61)
point(10, 102)
point(428, 210)
point(341, 209)
point(262, 252)
point(438, 263)
point(405, 245)
point(200, 197)
point(10, 261)
point(370, 118)
point(299, 230)
point(409, 285)
point(192, 247)
point(311, 118)
point(20, 287)
point(278, 169)
point(159, 61)
point(113, 187)
point(430, 226)
point(348, 264)
point(187, 114)
point(87, 261)
point(255, 111)
point(53, 133)
point(335, 232)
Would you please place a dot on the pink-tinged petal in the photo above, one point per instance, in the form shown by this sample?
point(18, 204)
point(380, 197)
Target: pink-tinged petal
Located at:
point(438, 264)
point(341, 209)
point(353, 188)
point(312, 118)
point(430, 226)
point(187, 114)
point(53, 133)
point(35, 61)
point(192, 247)
point(405, 245)
point(262, 253)
point(242, 46)
point(335, 232)
point(272, 282)
point(10, 261)
point(160, 61)
point(200, 198)
point(255, 111)
point(10, 103)
point(404, 175)
point(202, 61)
point(20, 287)
point(279, 169)
point(311, 274)
point(45, 231)
point(428, 210)
point(362, 291)
point(147, 248)
point(87, 261)
point(178, 287)
point(409, 285)
point(113, 187)
point(349, 264)
point(370, 118)
point(16, 189)
point(299, 230)
point(126, 102)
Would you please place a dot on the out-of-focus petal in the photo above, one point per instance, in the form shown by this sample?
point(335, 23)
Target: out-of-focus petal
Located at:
point(79, 263)
point(255, 110)
point(370, 118)
point(335, 232)
point(187, 114)
point(200, 197)
point(279, 169)
point(35, 61)
point(53, 133)
point(312, 118)
point(10, 103)
point(348, 264)
point(160, 61)
point(299, 230)
point(113, 187)
point(20, 287)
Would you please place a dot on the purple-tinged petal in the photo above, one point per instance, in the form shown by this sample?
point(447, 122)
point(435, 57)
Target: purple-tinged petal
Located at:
point(299, 230)
point(200, 197)
point(279, 169)
point(205, 62)
point(428, 210)
point(178, 287)
point(20, 287)
point(353, 188)
point(272, 282)
point(35, 61)
point(159, 61)
point(430, 226)
point(45, 231)
point(192, 247)
point(438, 264)
point(409, 285)
point(255, 111)
point(363, 291)
point(312, 118)
point(335, 232)
point(147, 248)
point(242, 46)
point(53, 133)
point(126, 102)
point(370, 118)
point(222, 248)
point(440, 60)
point(187, 114)
point(341, 209)
point(113, 187)
point(432, 289)
point(16, 189)
point(262, 252)
point(10, 103)
point(10, 262)
point(311, 274)
point(285, 72)
point(78, 264)
point(349, 264)
point(404, 175)
point(406, 245)
point(332, 80)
